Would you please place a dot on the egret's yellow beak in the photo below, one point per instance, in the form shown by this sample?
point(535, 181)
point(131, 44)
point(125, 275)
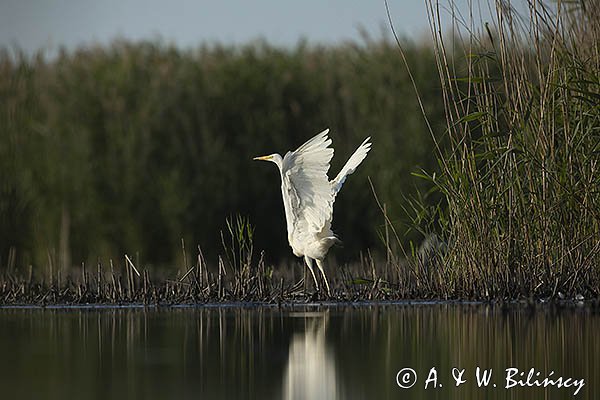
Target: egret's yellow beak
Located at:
point(263, 158)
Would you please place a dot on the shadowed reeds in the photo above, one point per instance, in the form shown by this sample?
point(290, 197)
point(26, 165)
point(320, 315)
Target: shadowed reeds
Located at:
point(520, 215)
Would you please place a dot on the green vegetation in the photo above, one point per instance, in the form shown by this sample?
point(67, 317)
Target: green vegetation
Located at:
point(141, 149)
point(129, 149)
point(521, 180)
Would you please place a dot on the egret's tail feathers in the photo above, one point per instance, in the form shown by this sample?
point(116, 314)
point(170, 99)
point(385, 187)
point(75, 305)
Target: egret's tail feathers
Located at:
point(334, 240)
point(338, 242)
point(329, 241)
point(353, 162)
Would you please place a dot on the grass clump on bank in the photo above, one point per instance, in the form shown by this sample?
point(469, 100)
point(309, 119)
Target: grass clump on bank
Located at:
point(521, 181)
point(239, 275)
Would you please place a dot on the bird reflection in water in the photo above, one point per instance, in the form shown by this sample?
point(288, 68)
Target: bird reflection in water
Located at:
point(311, 372)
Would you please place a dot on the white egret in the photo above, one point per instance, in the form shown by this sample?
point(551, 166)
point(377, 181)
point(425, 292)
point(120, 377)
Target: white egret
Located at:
point(308, 196)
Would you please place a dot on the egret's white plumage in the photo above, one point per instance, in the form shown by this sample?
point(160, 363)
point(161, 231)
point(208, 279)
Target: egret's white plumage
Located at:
point(308, 196)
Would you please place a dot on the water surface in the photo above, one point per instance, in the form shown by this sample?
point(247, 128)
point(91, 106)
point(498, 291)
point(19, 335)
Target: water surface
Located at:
point(296, 353)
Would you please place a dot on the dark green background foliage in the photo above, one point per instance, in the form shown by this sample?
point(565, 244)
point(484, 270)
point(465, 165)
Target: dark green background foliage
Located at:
point(132, 147)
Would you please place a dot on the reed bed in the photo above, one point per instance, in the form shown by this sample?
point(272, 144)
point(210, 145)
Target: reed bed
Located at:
point(130, 147)
point(520, 209)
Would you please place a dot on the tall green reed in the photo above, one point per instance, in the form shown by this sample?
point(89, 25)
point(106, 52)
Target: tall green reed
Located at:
point(521, 178)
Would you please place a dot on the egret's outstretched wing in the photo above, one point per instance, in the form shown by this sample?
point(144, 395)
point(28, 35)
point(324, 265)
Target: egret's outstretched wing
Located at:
point(353, 162)
point(306, 188)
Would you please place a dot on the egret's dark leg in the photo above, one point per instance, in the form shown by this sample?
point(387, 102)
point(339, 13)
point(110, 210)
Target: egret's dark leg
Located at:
point(321, 266)
point(309, 262)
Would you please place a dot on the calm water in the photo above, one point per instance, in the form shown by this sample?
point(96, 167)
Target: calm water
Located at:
point(300, 353)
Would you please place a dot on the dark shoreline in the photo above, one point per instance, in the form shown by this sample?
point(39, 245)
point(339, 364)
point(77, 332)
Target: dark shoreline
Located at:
point(593, 304)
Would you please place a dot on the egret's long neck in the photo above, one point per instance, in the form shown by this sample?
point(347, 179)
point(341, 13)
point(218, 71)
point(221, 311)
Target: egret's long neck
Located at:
point(289, 217)
point(279, 161)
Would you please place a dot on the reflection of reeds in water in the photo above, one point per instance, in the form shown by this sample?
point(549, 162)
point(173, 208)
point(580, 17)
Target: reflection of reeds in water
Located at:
point(311, 372)
point(266, 353)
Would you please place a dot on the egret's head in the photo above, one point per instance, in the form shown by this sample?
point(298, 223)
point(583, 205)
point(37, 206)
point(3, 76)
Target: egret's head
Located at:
point(274, 158)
